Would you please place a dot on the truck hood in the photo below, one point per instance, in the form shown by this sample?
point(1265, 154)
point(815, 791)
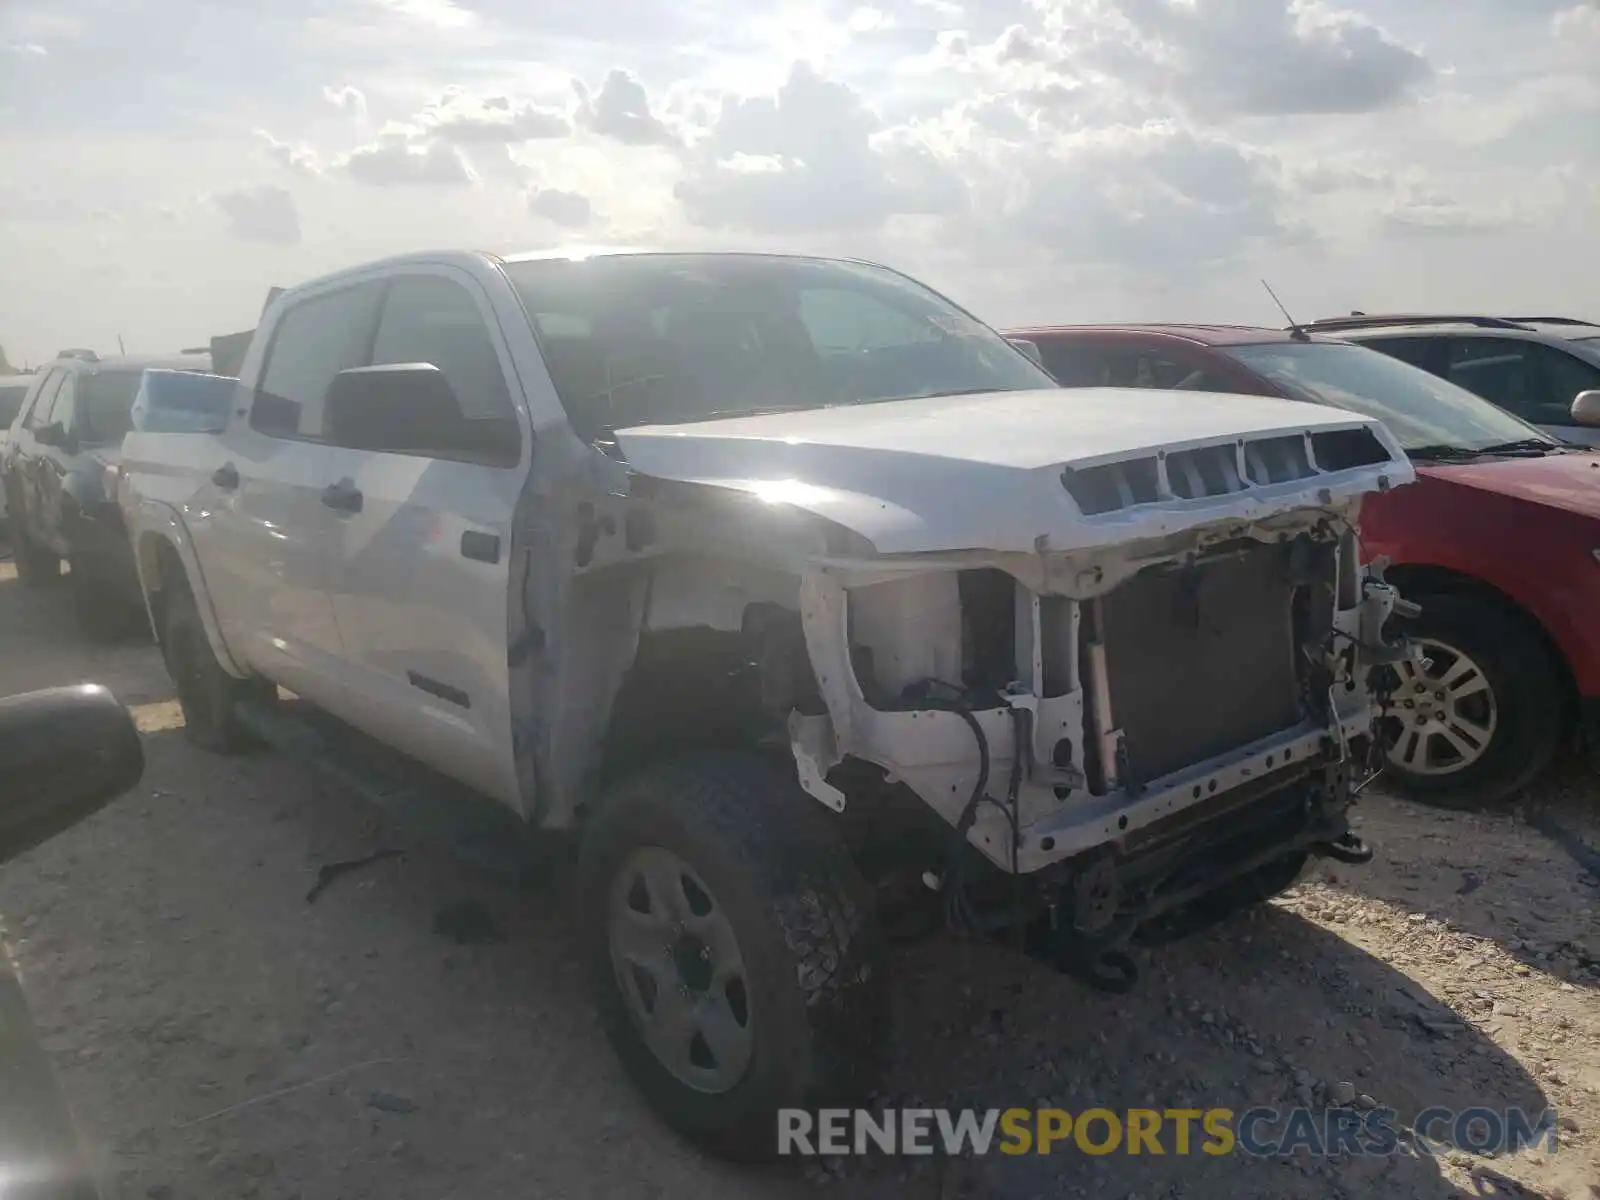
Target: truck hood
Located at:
point(993, 471)
point(1566, 481)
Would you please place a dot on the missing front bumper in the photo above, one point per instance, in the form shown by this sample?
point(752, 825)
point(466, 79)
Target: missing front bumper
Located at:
point(1188, 872)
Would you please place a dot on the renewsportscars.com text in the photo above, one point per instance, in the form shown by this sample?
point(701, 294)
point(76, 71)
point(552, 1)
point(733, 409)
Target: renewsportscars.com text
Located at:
point(1180, 1131)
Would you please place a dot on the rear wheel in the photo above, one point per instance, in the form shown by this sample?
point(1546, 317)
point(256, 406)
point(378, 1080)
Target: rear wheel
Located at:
point(1482, 720)
point(732, 947)
point(207, 694)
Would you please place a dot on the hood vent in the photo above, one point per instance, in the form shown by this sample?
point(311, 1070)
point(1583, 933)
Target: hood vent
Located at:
point(1220, 470)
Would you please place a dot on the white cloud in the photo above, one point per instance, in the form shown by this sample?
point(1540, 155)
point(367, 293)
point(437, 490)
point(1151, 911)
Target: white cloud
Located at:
point(265, 213)
point(811, 157)
point(463, 118)
point(1157, 197)
point(352, 100)
point(621, 110)
point(441, 14)
point(567, 209)
point(1041, 159)
point(1581, 22)
point(395, 161)
point(300, 159)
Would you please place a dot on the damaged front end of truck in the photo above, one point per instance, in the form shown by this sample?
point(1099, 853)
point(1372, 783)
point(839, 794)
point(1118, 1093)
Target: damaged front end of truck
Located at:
point(1096, 700)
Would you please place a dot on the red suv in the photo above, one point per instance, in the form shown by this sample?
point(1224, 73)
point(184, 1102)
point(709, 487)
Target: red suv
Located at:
point(1498, 540)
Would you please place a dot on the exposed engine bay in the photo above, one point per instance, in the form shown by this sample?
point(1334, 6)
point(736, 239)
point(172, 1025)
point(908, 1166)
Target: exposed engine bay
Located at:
point(1130, 735)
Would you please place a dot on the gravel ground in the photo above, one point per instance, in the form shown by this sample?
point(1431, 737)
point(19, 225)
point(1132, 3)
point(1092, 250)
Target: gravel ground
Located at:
point(220, 1036)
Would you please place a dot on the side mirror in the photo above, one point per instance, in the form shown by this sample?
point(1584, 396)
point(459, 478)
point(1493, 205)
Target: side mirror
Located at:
point(48, 435)
point(1586, 409)
point(402, 408)
point(1031, 349)
point(70, 751)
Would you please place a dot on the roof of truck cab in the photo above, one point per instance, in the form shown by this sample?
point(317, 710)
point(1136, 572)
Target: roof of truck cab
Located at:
point(1199, 335)
point(478, 259)
point(667, 251)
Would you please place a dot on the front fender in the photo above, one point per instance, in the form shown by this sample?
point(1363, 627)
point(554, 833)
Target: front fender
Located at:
point(151, 524)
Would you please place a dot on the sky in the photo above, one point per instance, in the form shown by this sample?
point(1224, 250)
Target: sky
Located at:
point(1035, 160)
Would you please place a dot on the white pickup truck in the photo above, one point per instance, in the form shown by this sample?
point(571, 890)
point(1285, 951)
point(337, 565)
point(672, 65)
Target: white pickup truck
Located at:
point(791, 586)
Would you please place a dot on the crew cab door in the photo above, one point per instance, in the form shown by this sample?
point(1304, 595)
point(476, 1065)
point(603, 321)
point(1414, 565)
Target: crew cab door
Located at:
point(420, 545)
point(261, 531)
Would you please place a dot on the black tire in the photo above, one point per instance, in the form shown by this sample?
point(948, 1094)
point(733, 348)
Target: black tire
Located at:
point(37, 566)
point(806, 931)
point(1529, 696)
point(207, 694)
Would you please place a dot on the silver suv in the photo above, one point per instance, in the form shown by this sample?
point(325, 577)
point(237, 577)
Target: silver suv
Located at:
point(1533, 367)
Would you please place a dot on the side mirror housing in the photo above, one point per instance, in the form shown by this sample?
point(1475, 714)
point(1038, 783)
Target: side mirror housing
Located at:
point(48, 435)
point(1031, 349)
point(72, 750)
point(1586, 409)
point(410, 408)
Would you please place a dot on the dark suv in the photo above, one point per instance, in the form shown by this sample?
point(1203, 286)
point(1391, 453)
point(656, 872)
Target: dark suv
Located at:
point(1533, 367)
point(1498, 540)
point(57, 469)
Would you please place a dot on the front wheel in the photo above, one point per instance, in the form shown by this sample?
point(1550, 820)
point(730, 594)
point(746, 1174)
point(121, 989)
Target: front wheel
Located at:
point(732, 948)
point(1483, 719)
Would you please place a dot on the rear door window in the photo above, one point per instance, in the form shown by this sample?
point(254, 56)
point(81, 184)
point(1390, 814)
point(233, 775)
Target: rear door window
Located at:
point(315, 340)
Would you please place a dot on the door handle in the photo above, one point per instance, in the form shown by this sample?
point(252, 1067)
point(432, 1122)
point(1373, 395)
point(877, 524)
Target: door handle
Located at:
point(226, 477)
point(343, 496)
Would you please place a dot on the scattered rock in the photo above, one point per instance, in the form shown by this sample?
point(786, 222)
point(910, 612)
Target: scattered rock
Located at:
point(1342, 1093)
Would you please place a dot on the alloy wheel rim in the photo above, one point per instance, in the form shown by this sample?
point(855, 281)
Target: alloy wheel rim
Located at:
point(680, 970)
point(1441, 717)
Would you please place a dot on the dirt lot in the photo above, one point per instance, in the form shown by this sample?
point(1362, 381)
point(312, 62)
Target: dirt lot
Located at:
point(219, 1036)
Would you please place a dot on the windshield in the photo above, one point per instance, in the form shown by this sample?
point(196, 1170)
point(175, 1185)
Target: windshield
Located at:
point(105, 404)
point(662, 338)
point(1421, 410)
point(11, 397)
